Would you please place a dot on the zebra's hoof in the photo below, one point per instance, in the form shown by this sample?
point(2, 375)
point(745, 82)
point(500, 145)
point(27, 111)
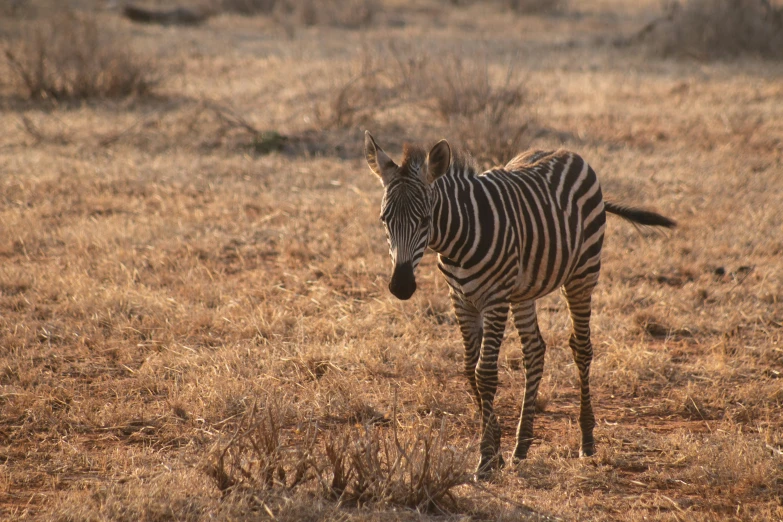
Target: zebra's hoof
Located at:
point(587, 450)
point(519, 457)
point(489, 466)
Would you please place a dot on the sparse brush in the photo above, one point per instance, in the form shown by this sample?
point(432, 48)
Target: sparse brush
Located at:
point(356, 464)
point(712, 29)
point(73, 56)
point(249, 7)
point(537, 6)
point(524, 6)
point(417, 470)
point(487, 116)
point(350, 14)
point(365, 92)
point(264, 452)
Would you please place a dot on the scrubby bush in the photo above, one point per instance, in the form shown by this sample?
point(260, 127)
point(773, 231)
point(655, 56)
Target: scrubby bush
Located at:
point(711, 29)
point(73, 56)
point(342, 13)
point(524, 6)
point(484, 108)
point(536, 6)
point(486, 115)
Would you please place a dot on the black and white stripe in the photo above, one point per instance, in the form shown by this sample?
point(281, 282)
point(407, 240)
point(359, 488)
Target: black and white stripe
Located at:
point(504, 238)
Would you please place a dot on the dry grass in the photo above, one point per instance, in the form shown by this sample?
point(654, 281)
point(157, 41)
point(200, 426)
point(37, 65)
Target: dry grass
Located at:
point(75, 56)
point(169, 293)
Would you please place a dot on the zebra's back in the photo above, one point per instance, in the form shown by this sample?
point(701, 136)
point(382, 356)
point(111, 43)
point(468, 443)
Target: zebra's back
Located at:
point(540, 220)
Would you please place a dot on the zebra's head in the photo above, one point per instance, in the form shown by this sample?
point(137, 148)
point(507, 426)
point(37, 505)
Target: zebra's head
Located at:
point(406, 209)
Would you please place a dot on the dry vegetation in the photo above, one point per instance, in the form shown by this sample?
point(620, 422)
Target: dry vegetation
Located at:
point(713, 29)
point(194, 320)
point(74, 56)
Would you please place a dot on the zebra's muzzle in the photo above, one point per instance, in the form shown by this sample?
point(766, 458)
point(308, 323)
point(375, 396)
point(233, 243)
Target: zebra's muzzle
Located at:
point(403, 283)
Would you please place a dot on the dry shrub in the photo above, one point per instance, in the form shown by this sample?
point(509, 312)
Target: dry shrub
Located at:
point(342, 13)
point(356, 98)
point(249, 7)
point(263, 454)
point(524, 6)
point(417, 470)
point(382, 80)
point(718, 28)
point(536, 6)
point(74, 56)
point(271, 451)
point(484, 115)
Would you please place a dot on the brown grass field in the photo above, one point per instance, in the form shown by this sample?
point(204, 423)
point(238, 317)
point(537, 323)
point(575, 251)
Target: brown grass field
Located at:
point(194, 318)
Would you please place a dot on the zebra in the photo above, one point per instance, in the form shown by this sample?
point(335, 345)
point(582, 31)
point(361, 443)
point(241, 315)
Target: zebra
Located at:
point(504, 238)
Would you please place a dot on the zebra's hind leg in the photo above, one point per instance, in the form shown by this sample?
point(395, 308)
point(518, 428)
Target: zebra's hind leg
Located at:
point(487, 383)
point(579, 296)
point(470, 326)
point(526, 322)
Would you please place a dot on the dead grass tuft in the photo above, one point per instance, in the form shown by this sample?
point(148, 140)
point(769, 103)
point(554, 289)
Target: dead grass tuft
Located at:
point(74, 56)
point(713, 29)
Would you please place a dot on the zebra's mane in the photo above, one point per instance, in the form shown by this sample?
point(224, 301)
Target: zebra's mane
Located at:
point(463, 162)
point(414, 156)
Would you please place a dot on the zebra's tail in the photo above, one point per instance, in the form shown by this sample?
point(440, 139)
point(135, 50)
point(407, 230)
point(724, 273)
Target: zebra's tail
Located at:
point(639, 216)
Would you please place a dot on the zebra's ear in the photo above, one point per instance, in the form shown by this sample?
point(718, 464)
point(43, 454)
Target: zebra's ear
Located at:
point(438, 160)
point(380, 163)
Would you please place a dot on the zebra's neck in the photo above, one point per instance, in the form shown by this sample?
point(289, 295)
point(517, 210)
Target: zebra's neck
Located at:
point(449, 221)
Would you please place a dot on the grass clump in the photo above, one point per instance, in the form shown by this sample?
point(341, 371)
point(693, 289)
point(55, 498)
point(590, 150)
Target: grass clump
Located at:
point(73, 56)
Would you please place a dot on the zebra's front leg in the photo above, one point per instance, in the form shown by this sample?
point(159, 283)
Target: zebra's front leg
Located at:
point(469, 320)
point(487, 383)
point(526, 322)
